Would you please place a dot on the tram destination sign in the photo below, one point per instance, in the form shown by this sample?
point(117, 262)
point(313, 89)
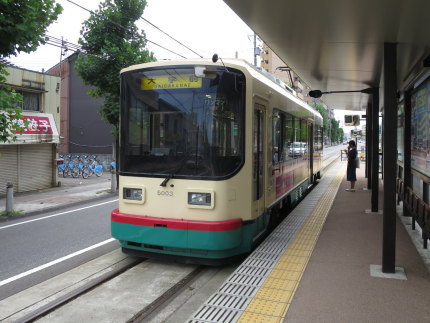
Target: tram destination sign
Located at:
point(169, 82)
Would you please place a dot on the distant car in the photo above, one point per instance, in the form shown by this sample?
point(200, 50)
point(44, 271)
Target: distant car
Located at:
point(297, 149)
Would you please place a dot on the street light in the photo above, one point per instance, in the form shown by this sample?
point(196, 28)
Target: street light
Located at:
point(317, 93)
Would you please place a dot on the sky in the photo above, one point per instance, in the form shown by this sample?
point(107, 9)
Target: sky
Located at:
point(205, 26)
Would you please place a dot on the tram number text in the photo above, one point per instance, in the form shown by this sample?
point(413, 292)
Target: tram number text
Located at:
point(165, 193)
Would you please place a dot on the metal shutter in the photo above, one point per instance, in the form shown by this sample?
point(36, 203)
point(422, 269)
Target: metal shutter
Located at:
point(35, 167)
point(8, 167)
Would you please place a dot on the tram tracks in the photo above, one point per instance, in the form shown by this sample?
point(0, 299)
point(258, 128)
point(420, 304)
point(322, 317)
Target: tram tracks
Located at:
point(122, 286)
point(64, 299)
point(153, 308)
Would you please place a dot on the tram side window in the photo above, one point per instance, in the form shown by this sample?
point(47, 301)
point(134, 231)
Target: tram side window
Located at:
point(304, 136)
point(318, 138)
point(276, 137)
point(288, 134)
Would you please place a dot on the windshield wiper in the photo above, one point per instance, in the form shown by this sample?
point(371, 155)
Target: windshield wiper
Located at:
point(164, 183)
point(170, 176)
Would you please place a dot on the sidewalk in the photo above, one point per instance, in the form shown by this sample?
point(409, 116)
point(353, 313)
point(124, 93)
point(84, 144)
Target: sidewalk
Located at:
point(73, 191)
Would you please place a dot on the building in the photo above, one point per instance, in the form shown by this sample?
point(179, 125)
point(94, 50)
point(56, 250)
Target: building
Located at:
point(275, 66)
point(82, 129)
point(29, 162)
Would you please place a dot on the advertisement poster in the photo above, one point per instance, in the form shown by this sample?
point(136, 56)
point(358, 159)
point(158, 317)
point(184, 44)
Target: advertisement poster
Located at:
point(401, 131)
point(420, 134)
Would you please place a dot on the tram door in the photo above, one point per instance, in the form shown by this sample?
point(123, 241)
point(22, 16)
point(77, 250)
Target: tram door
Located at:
point(258, 160)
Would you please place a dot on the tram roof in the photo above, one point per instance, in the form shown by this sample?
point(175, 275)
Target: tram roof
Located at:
point(337, 45)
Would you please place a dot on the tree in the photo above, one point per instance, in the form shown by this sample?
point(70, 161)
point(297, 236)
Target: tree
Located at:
point(341, 135)
point(334, 130)
point(330, 126)
point(324, 114)
point(10, 113)
point(23, 24)
point(111, 41)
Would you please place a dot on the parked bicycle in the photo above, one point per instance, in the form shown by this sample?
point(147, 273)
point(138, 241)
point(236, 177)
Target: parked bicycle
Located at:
point(81, 165)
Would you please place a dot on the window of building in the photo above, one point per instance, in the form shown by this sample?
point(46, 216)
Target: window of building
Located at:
point(31, 101)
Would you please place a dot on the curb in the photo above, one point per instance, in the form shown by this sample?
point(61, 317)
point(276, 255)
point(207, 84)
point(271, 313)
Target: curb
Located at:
point(61, 206)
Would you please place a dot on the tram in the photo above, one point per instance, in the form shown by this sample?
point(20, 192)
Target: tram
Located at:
point(206, 161)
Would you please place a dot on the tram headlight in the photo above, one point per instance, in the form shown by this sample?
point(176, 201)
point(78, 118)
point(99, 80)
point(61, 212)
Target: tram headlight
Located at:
point(134, 194)
point(195, 198)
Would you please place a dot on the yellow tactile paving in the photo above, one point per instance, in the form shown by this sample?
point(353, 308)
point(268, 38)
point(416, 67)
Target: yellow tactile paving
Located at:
point(248, 317)
point(272, 300)
point(295, 252)
point(275, 295)
point(279, 284)
point(295, 259)
point(265, 307)
point(284, 274)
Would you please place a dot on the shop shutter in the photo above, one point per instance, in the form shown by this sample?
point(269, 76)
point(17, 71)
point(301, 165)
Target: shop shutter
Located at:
point(35, 167)
point(8, 167)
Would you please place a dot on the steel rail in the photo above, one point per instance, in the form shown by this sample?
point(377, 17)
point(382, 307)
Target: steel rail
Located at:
point(151, 309)
point(55, 304)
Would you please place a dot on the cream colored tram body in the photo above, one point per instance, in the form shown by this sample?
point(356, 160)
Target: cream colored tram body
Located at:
point(206, 164)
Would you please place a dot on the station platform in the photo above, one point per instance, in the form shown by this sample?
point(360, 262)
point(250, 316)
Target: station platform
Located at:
point(323, 264)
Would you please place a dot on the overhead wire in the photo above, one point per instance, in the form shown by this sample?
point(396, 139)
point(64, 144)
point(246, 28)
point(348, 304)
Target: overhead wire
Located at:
point(162, 31)
point(121, 26)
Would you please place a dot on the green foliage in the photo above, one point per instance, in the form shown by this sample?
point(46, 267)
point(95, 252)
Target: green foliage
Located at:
point(6, 215)
point(111, 41)
point(330, 126)
point(23, 24)
point(10, 112)
point(324, 113)
point(334, 130)
point(340, 135)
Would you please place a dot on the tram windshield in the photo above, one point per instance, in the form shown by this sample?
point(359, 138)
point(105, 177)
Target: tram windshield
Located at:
point(177, 124)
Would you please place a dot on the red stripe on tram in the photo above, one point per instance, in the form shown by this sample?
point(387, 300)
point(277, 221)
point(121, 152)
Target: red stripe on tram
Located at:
point(147, 221)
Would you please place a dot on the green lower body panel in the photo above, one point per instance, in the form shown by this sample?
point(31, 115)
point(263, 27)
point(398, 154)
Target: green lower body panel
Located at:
point(214, 240)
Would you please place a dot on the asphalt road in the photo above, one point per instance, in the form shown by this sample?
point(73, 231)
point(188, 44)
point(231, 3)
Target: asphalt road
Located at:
point(35, 241)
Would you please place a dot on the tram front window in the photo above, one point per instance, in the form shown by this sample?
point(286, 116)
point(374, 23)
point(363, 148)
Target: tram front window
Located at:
point(174, 123)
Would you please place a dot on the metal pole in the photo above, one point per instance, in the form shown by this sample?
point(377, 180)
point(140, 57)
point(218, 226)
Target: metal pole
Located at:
point(368, 159)
point(113, 172)
point(390, 159)
point(375, 150)
point(9, 198)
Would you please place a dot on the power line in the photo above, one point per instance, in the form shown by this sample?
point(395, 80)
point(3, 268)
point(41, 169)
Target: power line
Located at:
point(121, 26)
point(170, 36)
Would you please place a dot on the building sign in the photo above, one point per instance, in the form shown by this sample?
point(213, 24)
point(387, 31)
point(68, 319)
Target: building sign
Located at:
point(36, 125)
point(168, 82)
point(41, 128)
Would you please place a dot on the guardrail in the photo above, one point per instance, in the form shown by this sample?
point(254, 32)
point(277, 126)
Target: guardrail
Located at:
point(419, 210)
